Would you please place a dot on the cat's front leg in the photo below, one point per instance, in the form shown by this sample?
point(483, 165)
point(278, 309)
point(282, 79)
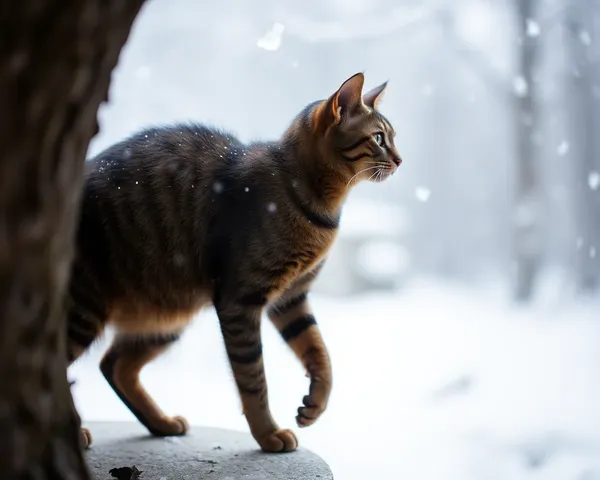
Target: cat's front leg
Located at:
point(240, 325)
point(295, 322)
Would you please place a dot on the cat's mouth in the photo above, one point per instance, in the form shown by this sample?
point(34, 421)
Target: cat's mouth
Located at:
point(386, 171)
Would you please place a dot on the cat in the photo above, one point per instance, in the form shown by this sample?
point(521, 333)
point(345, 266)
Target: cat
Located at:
point(177, 218)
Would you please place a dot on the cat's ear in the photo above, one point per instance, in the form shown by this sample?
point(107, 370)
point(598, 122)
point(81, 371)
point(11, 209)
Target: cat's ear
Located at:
point(348, 97)
point(372, 98)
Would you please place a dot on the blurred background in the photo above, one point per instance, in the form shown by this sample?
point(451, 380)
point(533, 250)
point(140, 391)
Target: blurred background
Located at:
point(460, 301)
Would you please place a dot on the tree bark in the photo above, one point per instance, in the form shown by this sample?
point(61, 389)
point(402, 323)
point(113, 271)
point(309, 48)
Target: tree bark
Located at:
point(582, 115)
point(56, 58)
point(527, 242)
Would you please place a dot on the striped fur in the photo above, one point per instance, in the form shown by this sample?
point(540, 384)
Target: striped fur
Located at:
point(177, 218)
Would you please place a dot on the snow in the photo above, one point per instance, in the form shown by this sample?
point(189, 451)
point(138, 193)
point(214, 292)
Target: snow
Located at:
point(594, 180)
point(437, 381)
point(217, 187)
point(271, 41)
point(520, 86)
point(563, 148)
point(585, 38)
point(532, 28)
point(422, 194)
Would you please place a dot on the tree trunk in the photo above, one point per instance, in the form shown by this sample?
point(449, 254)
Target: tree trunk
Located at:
point(56, 58)
point(583, 124)
point(527, 241)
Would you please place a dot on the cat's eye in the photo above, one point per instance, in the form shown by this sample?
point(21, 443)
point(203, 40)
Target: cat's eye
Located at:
point(378, 137)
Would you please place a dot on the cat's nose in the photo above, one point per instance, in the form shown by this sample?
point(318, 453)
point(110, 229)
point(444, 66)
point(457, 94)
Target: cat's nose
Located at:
point(397, 160)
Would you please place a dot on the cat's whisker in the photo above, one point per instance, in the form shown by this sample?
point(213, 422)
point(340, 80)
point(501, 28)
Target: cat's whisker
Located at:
point(374, 175)
point(357, 174)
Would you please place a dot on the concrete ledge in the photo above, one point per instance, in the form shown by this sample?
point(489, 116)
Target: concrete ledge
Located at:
point(204, 453)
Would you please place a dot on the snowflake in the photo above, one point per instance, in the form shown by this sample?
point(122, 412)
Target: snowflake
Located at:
point(271, 41)
point(422, 194)
point(563, 148)
point(533, 28)
point(520, 86)
point(594, 180)
point(585, 38)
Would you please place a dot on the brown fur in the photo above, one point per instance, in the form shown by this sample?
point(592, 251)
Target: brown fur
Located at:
point(177, 218)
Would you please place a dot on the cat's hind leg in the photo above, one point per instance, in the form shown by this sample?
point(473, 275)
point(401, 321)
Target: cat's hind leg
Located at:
point(86, 319)
point(121, 366)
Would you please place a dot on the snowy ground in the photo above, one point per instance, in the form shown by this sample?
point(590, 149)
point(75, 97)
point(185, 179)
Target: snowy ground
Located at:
point(436, 382)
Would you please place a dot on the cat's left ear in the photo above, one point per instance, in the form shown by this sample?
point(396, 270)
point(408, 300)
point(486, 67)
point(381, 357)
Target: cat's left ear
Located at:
point(372, 98)
point(348, 97)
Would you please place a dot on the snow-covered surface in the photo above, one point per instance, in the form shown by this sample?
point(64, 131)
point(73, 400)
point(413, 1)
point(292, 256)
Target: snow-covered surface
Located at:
point(438, 381)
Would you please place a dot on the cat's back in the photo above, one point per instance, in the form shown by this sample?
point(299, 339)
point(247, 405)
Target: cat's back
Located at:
point(192, 149)
point(146, 205)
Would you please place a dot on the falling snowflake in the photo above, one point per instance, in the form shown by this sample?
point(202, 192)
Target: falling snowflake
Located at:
point(271, 41)
point(594, 180)
point(592, 252)
point(271, 207)
point(579, 243)
point(127, 153)
point(533, 28)
point(520, 86)
point(585, 38)
point(563, 148)
point(217, 187)
point(422, 194)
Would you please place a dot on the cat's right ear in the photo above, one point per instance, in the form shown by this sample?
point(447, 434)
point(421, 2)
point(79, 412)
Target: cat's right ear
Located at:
point(347, 99)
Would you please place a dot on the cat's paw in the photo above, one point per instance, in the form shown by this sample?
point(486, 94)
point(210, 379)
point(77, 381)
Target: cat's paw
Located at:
point(170, 426)
point(315, 402)
point(279, 441)
point(85, 438)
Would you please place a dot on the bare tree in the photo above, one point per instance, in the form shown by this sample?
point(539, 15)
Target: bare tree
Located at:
point(583, 124)
point(522, 95)
point(56, 58)
point(527, 238)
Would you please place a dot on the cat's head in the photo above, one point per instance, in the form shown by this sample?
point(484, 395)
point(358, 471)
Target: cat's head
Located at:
point(352, 136)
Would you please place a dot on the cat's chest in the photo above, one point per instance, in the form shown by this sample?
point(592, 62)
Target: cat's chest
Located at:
point(308, 249)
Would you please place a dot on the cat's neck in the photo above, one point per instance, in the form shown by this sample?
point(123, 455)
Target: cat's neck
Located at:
point(316, 183)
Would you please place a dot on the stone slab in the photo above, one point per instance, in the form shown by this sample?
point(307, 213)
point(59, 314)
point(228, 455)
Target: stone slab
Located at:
point(204, 453)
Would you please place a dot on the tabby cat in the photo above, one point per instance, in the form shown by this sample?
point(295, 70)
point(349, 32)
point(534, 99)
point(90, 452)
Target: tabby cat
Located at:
point(178, 218)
